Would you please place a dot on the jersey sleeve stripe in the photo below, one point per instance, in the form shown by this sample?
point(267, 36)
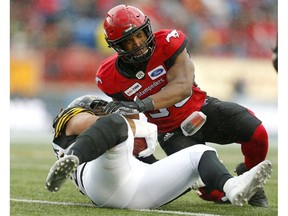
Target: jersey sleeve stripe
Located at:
point(66, 117)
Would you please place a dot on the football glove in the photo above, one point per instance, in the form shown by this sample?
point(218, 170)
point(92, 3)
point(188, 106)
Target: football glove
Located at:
point(129, 107)
point(149, 132)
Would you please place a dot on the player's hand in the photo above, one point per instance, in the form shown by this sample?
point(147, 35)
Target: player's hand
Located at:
point(152, 143)
point(122, 107)
point(151, 147)
point(129, 107)
point(150, 133)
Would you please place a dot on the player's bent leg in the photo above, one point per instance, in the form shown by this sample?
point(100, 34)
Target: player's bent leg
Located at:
point(241, 188)
point(168, 178)
point(214, 175)
point(60, 171)
point(255, 151)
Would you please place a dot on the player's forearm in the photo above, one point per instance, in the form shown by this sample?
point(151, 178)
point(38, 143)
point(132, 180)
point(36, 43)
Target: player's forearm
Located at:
point(180, 81)
point(171, 95)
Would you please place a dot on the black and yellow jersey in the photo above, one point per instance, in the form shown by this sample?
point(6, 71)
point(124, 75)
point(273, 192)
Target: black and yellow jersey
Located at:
point(60, 124)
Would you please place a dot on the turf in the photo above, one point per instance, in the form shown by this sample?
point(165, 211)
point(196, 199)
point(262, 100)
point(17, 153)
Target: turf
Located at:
point(29, 165)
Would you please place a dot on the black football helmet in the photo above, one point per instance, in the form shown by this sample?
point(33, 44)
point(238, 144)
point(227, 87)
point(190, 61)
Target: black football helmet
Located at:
point(90, 102)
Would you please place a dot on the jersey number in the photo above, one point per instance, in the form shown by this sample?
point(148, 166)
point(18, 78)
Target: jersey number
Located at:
point(164, 112)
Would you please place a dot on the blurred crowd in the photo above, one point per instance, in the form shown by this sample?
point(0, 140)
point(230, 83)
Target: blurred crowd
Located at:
point(69, 32)
point(60, 43)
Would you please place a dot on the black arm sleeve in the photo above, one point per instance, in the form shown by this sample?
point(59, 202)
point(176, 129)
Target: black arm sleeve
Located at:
point(104, 134)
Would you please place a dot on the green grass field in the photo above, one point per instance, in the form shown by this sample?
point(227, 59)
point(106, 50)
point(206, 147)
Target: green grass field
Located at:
point(29, 165)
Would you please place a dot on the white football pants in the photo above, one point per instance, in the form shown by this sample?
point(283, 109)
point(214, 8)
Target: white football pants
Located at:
point(118, 180)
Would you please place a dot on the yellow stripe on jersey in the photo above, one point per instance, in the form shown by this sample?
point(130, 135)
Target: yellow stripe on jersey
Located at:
point(66, 116)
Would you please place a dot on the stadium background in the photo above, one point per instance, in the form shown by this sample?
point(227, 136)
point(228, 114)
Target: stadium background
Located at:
point(56, 47)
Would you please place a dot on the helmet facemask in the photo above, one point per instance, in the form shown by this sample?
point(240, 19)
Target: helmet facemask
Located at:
point(90, 102)
point(97, 106)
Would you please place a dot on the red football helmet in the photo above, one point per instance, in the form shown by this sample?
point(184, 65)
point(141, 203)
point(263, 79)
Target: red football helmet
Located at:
point(123, 21)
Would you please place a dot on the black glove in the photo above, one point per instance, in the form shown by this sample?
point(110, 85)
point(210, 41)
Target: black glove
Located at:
point(129, 107)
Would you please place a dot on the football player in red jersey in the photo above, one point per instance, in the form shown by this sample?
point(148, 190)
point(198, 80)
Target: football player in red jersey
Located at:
point(152, 72)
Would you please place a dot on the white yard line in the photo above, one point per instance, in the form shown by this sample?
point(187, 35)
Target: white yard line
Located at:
point(91, 205)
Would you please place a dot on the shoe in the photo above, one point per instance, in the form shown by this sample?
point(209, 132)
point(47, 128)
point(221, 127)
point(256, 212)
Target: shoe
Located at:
point(259, 199)
point(60, 171)
point(240, 189)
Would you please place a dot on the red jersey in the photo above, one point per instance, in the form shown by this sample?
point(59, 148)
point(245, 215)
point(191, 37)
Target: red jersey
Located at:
point(169, 44)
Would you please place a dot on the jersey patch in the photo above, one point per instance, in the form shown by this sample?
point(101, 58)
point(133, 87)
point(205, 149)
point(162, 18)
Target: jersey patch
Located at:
point(157, 72)
point(133, 89)
point(151, 87)
point(98, 80)
point(173, 34)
